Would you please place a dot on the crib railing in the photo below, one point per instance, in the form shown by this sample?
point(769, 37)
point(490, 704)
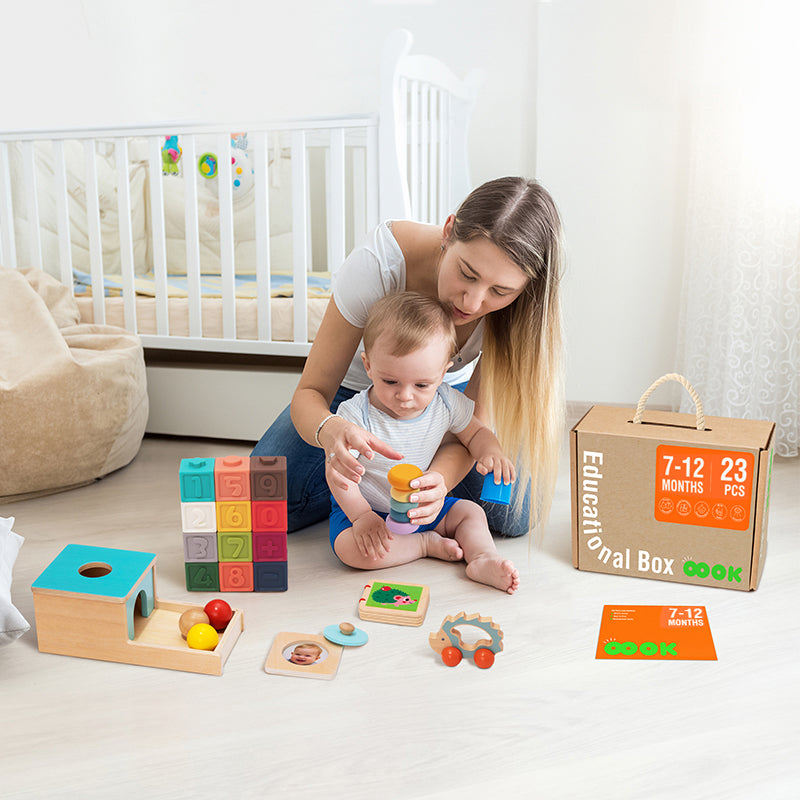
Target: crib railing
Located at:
point(425, 113)
point(408, 161)
point(334, 164)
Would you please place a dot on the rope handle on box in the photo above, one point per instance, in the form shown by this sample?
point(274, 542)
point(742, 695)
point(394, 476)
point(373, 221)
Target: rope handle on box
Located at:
point(673, 376)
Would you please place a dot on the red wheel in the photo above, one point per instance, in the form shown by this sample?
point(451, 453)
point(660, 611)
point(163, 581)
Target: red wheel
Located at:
point(451, 656)
point(484, 658)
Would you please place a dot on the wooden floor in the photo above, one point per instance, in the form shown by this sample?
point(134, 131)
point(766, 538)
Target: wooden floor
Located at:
point(548, 720)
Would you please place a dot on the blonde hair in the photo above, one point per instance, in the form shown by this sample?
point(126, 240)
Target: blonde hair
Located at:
point(522, 365)
point(411, 319)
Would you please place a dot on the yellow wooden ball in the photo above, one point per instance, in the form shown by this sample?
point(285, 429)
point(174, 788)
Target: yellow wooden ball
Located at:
point(202, 637)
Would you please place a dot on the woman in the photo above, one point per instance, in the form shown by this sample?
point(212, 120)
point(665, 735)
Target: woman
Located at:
point(497, 265)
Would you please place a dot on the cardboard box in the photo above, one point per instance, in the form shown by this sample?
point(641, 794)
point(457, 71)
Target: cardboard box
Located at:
point(661, 499)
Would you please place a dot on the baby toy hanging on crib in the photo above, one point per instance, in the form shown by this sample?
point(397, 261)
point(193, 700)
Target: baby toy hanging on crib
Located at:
point(170, 156)
point(241, 170)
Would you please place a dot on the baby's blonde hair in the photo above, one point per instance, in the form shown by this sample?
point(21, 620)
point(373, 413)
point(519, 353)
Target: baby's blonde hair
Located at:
point(411, 320)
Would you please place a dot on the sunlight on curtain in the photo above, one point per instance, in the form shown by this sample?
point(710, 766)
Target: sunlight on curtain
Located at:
point(739, 340)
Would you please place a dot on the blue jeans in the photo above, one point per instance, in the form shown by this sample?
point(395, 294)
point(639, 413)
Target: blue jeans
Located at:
point(309, 499)
point(308, 495)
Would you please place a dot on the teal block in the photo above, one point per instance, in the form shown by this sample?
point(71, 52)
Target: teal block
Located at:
point(197, 479)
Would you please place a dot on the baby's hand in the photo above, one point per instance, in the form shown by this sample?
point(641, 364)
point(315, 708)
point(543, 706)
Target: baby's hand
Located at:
point(502, 467)
point(371, 535)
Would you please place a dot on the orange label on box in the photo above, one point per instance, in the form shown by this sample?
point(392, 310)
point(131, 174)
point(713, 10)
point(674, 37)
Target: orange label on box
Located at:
point(696, 486)
point(674, 633)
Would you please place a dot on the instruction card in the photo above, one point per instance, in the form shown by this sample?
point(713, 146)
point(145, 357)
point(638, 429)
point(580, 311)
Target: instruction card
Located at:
point(672, 633)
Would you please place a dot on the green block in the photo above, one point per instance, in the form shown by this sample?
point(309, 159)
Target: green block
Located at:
point(235, 546)
point(202, 577)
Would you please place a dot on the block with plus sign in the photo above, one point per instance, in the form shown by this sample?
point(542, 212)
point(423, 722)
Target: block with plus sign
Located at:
point(269, 546)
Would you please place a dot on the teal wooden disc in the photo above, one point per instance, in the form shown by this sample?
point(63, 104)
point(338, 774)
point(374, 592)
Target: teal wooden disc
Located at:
point(355, 639)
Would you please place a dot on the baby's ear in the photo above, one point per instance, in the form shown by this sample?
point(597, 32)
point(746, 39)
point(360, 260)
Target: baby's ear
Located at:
point(365, 360)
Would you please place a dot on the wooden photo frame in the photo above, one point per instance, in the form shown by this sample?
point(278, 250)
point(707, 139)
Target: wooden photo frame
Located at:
point(290, 652)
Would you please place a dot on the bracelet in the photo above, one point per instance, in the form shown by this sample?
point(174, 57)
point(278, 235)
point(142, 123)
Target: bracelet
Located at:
point(319, 428)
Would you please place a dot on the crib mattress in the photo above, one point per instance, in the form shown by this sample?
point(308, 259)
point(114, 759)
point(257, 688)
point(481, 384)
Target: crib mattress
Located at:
point(281, 310)
point(281, 304)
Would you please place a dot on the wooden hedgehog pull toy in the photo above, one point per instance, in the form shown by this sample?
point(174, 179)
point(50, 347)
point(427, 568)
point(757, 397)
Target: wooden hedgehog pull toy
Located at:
point(448, 643)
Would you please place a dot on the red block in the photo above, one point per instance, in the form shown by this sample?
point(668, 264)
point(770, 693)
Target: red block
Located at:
point(269, 515)
point(269, 546)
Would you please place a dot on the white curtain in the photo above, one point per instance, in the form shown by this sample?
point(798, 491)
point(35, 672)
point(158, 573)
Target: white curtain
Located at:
point(740, 314)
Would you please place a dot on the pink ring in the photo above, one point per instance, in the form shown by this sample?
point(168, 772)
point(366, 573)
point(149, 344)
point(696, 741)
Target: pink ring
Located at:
point(400, 528)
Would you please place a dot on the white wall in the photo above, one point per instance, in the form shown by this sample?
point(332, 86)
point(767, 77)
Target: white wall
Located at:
point(587, 94)
point(101, 62)
point(612, 128)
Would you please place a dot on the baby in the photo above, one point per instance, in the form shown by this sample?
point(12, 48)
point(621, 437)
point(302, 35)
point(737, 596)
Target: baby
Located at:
point(305, 654)
point(408, 343)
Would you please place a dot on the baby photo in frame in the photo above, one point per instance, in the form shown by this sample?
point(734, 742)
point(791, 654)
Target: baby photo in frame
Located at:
point(303, 655)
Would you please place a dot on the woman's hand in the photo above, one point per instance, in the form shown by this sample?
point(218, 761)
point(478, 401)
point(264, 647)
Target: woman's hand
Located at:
point(430, 491)
point(339, 437)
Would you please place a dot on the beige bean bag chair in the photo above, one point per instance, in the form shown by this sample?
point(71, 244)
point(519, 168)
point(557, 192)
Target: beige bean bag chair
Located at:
point(73, 397)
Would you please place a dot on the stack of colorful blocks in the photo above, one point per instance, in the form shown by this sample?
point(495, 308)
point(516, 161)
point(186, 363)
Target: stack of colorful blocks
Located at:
point(233, 511)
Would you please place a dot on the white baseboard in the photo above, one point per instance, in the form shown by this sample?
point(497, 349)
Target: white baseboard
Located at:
point(217, 401)
point(235, 402)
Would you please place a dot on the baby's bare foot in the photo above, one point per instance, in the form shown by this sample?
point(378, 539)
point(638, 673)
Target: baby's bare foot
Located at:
point(494, 571)
point(441, 547)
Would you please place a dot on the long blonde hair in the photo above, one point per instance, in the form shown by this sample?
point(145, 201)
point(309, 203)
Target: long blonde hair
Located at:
point(522, 363)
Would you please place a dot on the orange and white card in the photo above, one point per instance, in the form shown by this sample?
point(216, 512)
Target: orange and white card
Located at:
point(699, 486)
point(670, 633)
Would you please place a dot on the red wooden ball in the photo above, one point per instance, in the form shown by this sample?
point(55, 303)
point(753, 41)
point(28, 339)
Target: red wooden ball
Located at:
point(451, 656)
point(219, 613)
point(483, 658)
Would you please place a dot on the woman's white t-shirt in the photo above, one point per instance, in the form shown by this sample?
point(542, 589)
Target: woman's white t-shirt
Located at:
point(375, 268)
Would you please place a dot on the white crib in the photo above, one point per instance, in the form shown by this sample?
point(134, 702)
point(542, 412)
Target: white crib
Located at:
point(202, 239)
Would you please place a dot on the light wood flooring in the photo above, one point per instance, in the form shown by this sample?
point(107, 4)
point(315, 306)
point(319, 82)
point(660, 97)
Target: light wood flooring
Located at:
point(548, 720)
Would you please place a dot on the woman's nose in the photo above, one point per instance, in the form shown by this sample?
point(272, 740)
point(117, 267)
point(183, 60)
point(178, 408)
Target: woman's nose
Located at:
point(472, 300)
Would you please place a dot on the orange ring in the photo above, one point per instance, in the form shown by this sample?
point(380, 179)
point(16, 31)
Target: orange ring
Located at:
point(401, 475)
